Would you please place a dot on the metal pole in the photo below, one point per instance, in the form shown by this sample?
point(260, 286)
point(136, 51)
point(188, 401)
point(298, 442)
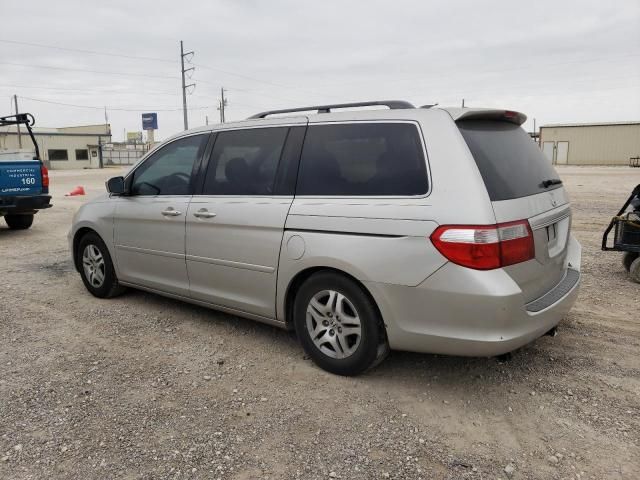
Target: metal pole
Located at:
point(15, 101)
point(100, 165)
point(222, 104)
point(184, 89)
point(184, 85)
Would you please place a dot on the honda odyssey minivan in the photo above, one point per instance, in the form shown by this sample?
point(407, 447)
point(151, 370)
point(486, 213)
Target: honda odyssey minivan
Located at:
point(439, 230)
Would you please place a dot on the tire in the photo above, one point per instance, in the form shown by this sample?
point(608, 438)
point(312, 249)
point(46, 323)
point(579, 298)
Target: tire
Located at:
point(326, 306)
point(19, 222)
point(634, 270)
point(627, 259)
point(96, 267)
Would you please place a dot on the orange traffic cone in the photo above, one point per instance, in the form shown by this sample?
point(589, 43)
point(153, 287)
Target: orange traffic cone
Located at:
point(79, 190)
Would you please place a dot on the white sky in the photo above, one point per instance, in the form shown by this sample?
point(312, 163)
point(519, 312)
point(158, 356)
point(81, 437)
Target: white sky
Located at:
point(557, 61)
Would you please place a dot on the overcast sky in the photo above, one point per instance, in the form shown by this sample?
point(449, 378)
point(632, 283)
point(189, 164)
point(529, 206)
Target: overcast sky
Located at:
point(557, 61)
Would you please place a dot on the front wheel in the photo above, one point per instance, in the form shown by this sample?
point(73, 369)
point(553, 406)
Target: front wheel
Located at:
point(338, 325)
point(96, 267)
point(18, 221)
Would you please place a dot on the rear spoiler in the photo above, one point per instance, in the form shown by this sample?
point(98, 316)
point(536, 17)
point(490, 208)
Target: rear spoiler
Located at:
point(459, 114)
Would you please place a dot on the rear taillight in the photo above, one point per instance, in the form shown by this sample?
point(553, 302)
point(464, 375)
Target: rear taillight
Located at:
point(485, 247)
point(44, 172)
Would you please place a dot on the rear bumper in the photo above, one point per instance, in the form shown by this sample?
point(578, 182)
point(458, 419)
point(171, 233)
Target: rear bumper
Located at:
point(26, 204)
point(459, 311)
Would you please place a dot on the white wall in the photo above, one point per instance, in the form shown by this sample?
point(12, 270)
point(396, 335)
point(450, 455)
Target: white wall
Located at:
point(596, 145)
point(68, 142)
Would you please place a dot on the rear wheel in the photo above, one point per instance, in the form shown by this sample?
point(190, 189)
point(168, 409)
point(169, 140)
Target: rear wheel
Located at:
point(96, 267)
point(19, 222)
point(338, 325)
point(627, 259)
point(634, 270)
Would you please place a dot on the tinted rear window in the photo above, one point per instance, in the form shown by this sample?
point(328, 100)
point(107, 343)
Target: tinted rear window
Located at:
point(362, 159)
point(510, 162)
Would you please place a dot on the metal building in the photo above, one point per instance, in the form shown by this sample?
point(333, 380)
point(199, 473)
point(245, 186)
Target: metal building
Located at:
point(61, 148)
point(591, 143)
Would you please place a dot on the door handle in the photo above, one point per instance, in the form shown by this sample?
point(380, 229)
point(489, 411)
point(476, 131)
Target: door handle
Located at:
point(204, 213)
point(170, 212)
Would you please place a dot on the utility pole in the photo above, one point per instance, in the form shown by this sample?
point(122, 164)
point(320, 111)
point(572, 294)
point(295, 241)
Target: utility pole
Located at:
point(15, 101)
point(206, 119)
point(221, 105)
point(184, 86)
point(463, 103)
point(100, 164)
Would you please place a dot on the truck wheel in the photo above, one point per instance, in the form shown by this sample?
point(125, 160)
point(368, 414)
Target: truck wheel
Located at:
point(627, 259)
point(634, 271)
point(96, 267)
point(19, 222)
point(338, 325)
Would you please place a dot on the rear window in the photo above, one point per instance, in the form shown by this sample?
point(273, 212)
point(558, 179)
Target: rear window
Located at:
point(510, 162)
point(362, 159)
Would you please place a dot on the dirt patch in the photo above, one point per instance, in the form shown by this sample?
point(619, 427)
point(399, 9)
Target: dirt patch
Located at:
point(146, 387)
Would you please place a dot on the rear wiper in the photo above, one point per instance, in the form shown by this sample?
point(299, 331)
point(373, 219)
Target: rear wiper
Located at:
point(553, 181)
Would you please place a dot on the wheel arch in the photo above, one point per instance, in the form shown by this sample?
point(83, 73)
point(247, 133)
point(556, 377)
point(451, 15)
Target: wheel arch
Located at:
point(81, 232)
point(300, 277)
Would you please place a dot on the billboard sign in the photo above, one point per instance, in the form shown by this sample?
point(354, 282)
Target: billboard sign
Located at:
point(149, 121)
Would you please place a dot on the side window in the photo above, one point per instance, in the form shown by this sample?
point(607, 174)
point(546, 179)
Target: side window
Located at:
point(363, 159)
point(245, 162)
point(168, 171)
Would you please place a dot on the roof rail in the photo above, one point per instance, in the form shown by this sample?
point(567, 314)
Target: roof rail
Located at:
point(392, 104)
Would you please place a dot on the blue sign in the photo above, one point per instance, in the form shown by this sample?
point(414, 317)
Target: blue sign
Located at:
point(149, 121)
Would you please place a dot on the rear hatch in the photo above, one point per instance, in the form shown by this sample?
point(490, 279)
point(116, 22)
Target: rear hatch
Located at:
point(20, 177)
point(522, 185)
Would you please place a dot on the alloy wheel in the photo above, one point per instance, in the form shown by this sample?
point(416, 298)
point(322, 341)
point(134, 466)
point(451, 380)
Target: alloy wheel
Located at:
point(93, 265)
point(333, 324)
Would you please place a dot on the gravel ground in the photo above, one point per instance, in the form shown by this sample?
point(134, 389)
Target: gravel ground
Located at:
point(146, 387)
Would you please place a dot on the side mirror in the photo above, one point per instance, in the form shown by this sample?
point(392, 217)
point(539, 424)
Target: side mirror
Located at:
point(115, 186)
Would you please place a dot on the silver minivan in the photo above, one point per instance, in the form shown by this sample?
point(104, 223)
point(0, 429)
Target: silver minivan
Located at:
point(440, 230)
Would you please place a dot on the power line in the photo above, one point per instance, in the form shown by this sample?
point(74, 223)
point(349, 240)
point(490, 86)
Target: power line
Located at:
point(259, 80)
point(475, 71)
point(117, 92)
point(90, 52)
point(102, 72)
point(254, 79)
point(136, 57)
point(130, 109)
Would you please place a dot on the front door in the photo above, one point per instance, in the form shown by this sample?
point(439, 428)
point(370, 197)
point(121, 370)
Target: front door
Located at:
point(149, 224)
point(562, 153)
point(235, 224)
